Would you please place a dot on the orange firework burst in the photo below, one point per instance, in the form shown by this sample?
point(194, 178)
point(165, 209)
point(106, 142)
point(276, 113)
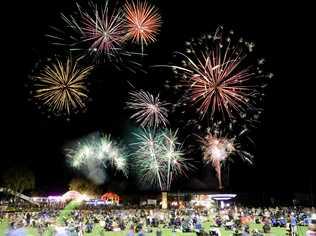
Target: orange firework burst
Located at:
point(143, 22)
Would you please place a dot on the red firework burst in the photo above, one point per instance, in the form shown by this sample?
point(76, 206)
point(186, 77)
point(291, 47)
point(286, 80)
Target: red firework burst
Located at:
point(143, 22)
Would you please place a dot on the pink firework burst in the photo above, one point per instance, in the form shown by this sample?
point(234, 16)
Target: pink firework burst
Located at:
point(217, 148)
point(148, 110)
point(103, 30)
point(218, 85)
point(143, 22)
point(98, 30)
point(219, 76)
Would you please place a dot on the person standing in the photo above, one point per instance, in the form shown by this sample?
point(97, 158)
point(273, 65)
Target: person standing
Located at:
point(293, 225)
point(141, 232)
point(131, 231)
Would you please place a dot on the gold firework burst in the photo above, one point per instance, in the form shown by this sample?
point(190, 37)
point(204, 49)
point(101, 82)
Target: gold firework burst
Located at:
point(61, 86)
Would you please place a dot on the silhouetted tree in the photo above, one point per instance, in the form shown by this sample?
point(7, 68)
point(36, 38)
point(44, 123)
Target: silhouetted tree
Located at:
point(85, 186)
point(18, 179)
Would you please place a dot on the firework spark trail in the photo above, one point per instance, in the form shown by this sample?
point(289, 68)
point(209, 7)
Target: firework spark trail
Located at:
point(143, 22)
point(159, 159)
point(149, 110)
point(61, 86)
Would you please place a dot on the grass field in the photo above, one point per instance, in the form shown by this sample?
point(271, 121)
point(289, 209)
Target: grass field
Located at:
point(166, 232)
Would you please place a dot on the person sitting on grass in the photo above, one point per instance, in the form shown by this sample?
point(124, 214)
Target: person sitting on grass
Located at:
point(256, 232)
point(312, 226)
point(266, 228)
point(228, 225)
point(218, 221)
point(198, 226)
point(215, 232)
point(237, 233)
point(282, 222)
point(274, 222)
point(246, 231)
point(201, 233)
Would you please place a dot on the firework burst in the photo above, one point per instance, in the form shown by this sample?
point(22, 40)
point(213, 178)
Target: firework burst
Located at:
point(97, 31)
point(147, 159)
point(95, 154)
point(176, 163)
point(61, 86)
point(218, 148)
point(111, 151)
point(143, 22)
point(219, 77)
point(104, 31)
point(158, 158)
point(149, 111)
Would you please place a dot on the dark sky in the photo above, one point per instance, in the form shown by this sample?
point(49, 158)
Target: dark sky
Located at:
point(283, 145)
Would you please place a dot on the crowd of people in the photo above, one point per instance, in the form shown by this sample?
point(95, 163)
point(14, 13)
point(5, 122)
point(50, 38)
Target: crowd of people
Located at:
point(238, 219)
point(139, 222)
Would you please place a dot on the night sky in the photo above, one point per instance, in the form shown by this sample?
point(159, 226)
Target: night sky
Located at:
point(283, 146)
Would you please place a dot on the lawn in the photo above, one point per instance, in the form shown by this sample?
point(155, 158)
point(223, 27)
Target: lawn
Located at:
point(165, 232)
